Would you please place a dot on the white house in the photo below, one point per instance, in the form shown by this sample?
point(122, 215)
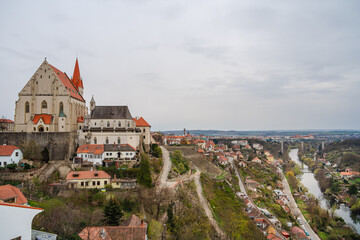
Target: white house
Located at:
point(15, 221)
point(9, 154)
point(91, 152)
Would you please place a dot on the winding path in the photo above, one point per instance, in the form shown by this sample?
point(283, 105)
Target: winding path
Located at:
point(162, 181)
point(205, 205)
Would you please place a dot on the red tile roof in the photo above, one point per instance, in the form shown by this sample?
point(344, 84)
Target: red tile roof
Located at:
point(132, 229)
point(7, 150)
point(140, 122)
point(6, 121)
point(80, 119)
point(9, 191)
point(76, 79)
point(91, 148)
point(68, 84)
point(45, 117)
point(87, 175)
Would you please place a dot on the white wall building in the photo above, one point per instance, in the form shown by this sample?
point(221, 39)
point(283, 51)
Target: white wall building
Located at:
point(10, 154)
point(15, 221)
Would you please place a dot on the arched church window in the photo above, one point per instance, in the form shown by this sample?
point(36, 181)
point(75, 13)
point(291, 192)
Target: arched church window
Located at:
point(27, 107)
point(61, 107)
point(44, 104)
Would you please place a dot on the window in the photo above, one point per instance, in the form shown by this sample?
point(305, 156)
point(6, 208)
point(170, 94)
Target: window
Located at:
point(105, 182)
point(95, 140)
point(87, 184)
point(44, 104)
point(17, 154)
point(61, 107)
point(98, 183)
point(82, 184)
point(35, 129)
point(119, 124)
point(127, 154)
point(143, 137)
point(0, 163)
point(128, 124)
point(47, 129)
point(94, 183)
point(95, 123)
point(118, 140)
point(108, 124)
point(107, 140)
point(5, 163)
point(144, 130)
point(27, 107)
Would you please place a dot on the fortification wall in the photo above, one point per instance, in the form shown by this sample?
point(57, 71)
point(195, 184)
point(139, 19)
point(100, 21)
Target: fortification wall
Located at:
point(61, 145)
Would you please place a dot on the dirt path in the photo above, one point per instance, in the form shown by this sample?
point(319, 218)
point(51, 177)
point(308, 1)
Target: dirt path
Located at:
point(205, 205)
point(162, 181)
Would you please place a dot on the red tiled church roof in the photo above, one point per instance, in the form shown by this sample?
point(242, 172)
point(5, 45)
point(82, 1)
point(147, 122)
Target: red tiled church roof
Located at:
point(9, 191)
point(140, 122)
point(76, 79)
point(68, 84)
point(7, 150)
point(46, 118)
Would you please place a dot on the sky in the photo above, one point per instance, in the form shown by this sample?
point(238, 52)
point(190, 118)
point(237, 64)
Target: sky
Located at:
point(195, 64)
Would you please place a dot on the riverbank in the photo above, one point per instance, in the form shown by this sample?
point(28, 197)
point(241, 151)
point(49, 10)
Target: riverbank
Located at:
point(324, 221)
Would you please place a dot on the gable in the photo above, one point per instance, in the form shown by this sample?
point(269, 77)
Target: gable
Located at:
point(44, 82)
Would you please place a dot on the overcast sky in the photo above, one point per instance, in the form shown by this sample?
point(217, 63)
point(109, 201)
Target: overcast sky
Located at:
point(225, 64)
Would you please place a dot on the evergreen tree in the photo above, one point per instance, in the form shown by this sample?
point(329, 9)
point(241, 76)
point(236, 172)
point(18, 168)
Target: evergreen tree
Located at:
point(144, 175)
point(112, 212)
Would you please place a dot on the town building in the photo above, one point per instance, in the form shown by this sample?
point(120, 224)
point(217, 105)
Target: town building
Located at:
point(16, 220)
point(11, 194)
point(133, 228)
point(50, 101)
point(6, 125)
point(10, 154)
point(93, 153)
point(144, 129)
point(88, 179)
point(114, 125)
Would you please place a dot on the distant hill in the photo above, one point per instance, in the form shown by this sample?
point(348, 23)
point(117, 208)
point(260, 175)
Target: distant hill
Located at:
point(318, 133)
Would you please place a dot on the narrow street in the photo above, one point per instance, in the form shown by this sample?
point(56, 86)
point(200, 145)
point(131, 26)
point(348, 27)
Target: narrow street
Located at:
point(294, 207)
point(243, 190)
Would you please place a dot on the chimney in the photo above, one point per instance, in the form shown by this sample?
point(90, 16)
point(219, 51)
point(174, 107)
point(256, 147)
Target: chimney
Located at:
point(142, 222)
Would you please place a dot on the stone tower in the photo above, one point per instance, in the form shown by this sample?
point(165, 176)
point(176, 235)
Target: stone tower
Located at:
point(92, 104)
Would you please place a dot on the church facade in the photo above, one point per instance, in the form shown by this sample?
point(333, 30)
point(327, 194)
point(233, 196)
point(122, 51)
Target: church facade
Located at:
point(50, 101)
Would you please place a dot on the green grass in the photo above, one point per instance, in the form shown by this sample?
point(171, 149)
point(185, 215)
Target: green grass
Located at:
point(228, 210)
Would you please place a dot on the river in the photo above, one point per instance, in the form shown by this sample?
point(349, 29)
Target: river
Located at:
point(309, 181)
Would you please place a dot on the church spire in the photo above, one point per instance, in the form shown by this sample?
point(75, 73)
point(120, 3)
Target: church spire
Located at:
point(76, 78)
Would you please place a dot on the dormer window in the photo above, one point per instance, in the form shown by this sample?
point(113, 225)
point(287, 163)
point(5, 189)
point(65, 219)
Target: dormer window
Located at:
point(75, 175)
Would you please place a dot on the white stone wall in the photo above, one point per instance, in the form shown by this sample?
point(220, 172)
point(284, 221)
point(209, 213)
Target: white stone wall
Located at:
point(16, 222)
point(125, 138)
point(95, 159)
